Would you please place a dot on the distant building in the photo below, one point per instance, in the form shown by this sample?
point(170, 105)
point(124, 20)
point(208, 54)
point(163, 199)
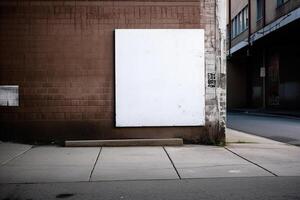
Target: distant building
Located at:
point(77, 69)
point(263, 54)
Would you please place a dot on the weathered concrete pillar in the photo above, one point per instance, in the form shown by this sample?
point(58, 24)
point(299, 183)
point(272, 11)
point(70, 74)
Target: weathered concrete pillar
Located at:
point(216, 76)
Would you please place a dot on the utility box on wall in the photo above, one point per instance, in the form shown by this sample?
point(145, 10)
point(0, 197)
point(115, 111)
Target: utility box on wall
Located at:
point(9, 95)
point(114, 69)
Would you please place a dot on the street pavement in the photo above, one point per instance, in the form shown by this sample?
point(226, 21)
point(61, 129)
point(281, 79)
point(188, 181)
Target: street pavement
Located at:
point(248, 166)
point(277, 128)
point(247, 188)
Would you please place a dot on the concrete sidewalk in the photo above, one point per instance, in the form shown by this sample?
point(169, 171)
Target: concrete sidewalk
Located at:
point(244, 156)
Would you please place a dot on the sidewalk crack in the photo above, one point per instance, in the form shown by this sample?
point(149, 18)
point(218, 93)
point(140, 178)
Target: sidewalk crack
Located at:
point(251, 162)
point(16, 156)
point(96, 161)
point(172, 163)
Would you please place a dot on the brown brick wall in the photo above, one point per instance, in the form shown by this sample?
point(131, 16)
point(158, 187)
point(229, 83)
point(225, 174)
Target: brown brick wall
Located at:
point(61, 54)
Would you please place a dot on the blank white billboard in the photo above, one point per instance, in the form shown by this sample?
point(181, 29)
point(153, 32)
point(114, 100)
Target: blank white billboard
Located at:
point(159, 77)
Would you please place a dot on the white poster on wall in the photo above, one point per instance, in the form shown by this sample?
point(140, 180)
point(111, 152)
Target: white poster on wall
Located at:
point(159, 77)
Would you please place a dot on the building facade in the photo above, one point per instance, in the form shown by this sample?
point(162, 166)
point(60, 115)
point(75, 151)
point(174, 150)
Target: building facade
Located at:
point(263, 63)
point(59, 59)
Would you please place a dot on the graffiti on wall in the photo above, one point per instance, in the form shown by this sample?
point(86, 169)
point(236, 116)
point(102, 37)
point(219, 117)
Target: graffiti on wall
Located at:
point(211, 80)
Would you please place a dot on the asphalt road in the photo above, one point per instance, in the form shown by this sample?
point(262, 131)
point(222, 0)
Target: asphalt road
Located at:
point(278, 128)
point(275, 188)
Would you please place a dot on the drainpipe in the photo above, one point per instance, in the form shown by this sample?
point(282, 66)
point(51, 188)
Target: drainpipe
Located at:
point(264, 59)
point(249, 22)
point(264, 13)
point(229, 27)
point(248, 50)
point(264, 80)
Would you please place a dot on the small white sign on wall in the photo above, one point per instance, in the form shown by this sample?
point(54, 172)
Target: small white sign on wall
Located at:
point(159, 77)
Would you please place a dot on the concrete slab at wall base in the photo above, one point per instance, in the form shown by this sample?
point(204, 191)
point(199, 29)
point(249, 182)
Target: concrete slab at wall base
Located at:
point(133, 163)
point(124, 142)
point(50, 164)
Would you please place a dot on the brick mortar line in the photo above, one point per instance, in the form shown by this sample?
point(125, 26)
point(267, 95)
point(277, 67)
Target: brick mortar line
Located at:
point(17, 156)
point(96, 161)
point(251, 162)
point(172, 163)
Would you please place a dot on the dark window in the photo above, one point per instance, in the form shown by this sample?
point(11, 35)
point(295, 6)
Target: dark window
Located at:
point(280, 2)
point(260, 9)
point(240, 22)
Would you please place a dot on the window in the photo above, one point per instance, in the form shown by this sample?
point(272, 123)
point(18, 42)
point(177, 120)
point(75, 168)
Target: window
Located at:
point(280, 2)
point(235, 26)
point(260, 9)
point(233, 32)
point(239, 23)
point(246, 18)
point(243, 21)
